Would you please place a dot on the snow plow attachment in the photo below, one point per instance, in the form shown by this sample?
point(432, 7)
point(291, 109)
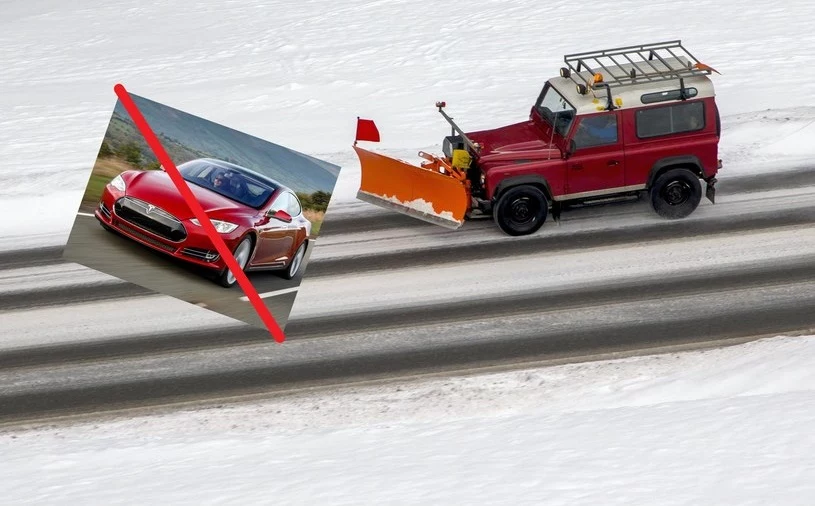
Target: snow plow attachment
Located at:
point(435, 192)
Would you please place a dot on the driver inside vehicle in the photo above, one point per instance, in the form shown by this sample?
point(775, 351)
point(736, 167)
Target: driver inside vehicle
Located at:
point(220, 182)
point(597, 130)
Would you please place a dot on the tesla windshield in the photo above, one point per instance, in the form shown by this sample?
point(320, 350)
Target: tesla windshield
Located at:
point(228, 182)
point(555, 110)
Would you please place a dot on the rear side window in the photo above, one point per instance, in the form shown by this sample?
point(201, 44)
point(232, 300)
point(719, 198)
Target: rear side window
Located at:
point(294, 206)
point(281, 203)
point(671, 119)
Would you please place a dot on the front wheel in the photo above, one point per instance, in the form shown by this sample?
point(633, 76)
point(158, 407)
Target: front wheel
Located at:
point(521, 210)
point(296, 261)
point(241, 254)
point(676, 193)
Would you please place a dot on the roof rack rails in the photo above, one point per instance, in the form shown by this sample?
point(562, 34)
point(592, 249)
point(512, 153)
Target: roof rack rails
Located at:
point(661, 61)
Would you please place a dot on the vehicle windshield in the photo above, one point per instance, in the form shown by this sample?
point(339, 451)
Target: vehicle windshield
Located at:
point(555, 110)
point(230, 183)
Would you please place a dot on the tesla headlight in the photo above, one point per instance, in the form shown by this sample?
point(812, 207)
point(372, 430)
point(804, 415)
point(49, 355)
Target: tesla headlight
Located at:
point(118, 183)
point(223, 227)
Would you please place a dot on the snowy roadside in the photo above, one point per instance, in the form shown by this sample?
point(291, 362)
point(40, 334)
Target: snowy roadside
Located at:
point(719, 426)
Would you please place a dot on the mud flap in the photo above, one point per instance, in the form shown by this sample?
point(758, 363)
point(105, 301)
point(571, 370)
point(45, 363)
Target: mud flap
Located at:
point(710, 193)
point(421, 193)
point(555, 212)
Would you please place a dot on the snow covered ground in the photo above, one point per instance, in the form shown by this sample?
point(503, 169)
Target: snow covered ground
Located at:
point(721, 426)
point(730, 426)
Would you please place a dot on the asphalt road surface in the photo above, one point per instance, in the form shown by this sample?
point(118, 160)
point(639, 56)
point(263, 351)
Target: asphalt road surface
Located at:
point(386, 296)
point(94, 247)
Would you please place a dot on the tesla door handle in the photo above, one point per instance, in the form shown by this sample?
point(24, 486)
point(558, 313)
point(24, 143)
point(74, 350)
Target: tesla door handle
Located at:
point(614, 162)
point(577, 166)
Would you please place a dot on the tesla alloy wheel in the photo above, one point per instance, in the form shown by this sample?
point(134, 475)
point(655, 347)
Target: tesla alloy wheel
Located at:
point(241, 254)
point(294, 266)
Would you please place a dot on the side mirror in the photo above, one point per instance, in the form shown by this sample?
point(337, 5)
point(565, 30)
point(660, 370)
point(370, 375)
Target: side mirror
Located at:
point(281, 215)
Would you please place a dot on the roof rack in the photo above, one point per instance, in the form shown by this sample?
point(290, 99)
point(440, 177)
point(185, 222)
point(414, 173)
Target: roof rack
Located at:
point(661, 61)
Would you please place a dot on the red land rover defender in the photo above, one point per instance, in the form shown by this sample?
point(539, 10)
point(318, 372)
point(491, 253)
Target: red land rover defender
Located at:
point(616, 123)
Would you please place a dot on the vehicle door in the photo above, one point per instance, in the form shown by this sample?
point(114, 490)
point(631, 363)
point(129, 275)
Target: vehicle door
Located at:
point(275, 235)
point(596, 164)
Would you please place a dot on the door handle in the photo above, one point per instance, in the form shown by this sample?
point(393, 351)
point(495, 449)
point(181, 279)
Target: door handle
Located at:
point(577, 166)
point(613, 162)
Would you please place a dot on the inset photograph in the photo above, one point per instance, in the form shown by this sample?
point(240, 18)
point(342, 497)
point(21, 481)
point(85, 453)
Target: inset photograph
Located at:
point(266, 201)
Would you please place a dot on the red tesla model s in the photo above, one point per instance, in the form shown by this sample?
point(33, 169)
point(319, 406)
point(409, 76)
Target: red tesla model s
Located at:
point(260, 220)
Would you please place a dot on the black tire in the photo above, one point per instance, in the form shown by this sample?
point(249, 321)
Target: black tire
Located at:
point(296, 262)
point(224, 276)
point(676, 193)
point(521, 210)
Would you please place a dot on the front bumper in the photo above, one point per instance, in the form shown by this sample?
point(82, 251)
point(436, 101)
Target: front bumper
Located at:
point(196, 248)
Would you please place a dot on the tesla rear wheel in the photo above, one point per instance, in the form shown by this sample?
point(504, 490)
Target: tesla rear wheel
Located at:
point(294, 266)
point(521, 210)
point(241, 254)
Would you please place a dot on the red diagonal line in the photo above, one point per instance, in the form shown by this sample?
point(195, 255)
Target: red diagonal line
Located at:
point(198, 211)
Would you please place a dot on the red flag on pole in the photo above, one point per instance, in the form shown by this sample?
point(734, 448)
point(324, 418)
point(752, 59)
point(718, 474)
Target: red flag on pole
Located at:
point(366, 130)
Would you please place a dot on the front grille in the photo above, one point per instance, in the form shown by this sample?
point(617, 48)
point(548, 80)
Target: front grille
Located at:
point(151, 218)
point(201, 254)
point(146, 238)
point(105, 211)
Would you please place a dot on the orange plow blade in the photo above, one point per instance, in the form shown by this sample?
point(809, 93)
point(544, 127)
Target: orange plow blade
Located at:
point(416, 191)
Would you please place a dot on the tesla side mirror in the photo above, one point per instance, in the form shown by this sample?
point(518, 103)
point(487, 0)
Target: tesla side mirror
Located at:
point(281, 215)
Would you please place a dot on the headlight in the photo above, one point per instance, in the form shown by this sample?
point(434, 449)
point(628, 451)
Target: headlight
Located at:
point(223, 227)
point(118, 183)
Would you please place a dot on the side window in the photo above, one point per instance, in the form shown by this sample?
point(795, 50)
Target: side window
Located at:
point(294, 205)
point(672, 119)
point(281, 202)
point(596, 131)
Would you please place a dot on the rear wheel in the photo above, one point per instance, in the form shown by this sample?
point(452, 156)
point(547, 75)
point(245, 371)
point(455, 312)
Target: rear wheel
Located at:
point(676, 193)
point(296, 261)
point(521, 210)
point(241, 254)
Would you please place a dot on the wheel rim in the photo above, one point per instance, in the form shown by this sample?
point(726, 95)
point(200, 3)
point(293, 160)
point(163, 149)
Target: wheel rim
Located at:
point(242, 256)
point(297, 260)
point(523, 211)
point(676, 193)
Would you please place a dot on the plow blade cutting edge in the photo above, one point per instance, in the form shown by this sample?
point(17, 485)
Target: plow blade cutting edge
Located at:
point(422, 193)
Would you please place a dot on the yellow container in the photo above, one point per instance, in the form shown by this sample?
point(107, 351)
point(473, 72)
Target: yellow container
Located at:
point(461, 159)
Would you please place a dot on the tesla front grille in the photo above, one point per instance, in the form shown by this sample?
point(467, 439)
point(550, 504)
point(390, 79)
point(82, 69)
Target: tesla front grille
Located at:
point(201, 254)
point(150, 218)
point(146, 238)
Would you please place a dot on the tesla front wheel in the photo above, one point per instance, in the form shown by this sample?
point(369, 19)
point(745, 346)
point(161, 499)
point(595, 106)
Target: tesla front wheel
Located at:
point(521, 210)
point(676, 193)
point(297, 261)
point(241, 254)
